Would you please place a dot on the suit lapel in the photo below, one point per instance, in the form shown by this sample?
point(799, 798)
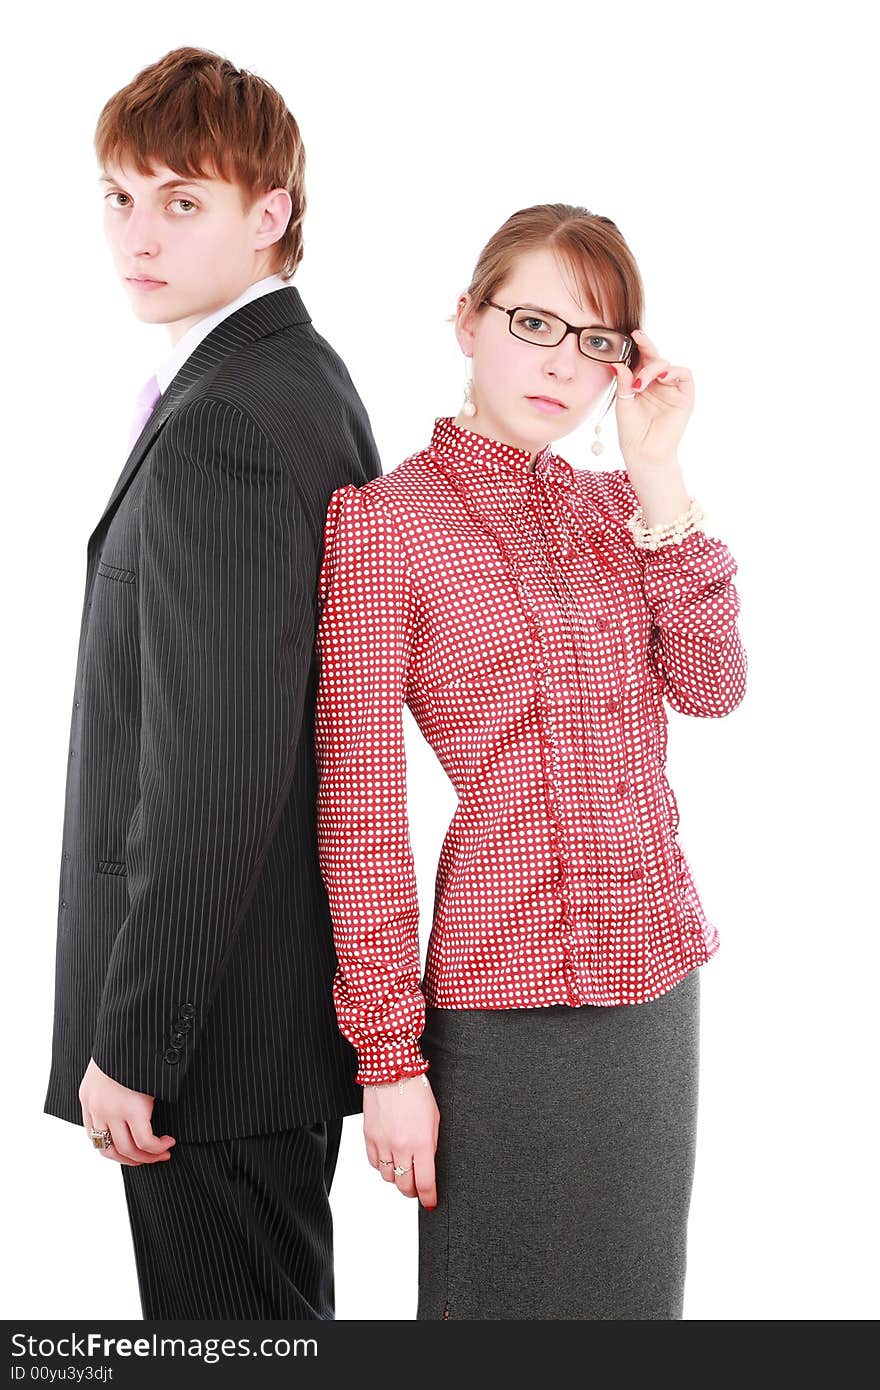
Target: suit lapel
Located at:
point(268, 314)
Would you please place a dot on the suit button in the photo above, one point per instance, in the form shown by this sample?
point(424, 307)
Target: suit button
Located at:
point(170, 1055)
point(73, 752)
point(63, 903)
point(67, 854)
point(76, 704)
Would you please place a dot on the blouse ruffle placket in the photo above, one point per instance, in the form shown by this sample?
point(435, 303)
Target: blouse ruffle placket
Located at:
point(548, 732)
point(584, 530)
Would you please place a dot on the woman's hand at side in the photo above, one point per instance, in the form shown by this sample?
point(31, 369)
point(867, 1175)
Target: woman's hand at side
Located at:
point(401, 1123)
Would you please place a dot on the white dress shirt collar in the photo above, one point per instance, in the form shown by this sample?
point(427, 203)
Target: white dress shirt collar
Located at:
point(171, 365)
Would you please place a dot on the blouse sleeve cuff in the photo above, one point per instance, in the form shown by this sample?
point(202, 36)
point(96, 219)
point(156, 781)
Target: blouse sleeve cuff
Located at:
point(383, 1062)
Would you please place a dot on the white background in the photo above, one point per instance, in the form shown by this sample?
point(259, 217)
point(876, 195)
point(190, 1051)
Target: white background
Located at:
point(736, 149)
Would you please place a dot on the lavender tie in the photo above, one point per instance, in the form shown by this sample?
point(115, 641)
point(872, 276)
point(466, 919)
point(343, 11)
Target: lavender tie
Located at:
point(146, 401)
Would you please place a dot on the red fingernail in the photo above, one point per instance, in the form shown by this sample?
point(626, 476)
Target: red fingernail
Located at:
point(661, 375)
point(637, 383)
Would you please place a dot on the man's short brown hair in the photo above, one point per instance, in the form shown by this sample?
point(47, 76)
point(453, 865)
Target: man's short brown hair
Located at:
point(201, 116)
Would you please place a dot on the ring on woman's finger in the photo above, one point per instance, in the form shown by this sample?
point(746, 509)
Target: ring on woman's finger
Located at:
point(398, 1171)
point(385, 1161)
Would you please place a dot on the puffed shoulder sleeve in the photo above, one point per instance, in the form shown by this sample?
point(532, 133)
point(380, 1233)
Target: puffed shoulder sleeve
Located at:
point(366, 617)
point(689, 589)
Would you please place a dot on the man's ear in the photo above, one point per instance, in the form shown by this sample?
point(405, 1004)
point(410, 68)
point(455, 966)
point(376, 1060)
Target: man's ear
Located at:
point(276, 209)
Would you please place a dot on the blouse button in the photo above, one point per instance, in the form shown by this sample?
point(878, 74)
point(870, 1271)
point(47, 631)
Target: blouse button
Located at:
point(637, 873)
point(602, 624)
point(622, 788)
point(613, 706)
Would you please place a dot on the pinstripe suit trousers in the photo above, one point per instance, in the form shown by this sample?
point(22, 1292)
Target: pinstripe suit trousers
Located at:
point(237, 1228)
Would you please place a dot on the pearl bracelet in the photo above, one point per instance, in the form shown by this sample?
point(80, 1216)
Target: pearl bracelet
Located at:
point(652, 537)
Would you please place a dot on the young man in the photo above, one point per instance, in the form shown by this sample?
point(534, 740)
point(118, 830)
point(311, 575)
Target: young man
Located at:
point(195, 1036)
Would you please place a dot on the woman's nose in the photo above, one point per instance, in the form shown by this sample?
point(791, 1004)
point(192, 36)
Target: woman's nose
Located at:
point(562, 360)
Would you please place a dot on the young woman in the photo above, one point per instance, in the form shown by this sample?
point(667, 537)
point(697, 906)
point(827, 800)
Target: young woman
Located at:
point(532, 616)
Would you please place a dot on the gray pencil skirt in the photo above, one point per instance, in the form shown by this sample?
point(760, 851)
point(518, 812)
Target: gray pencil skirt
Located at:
point(565, 1160)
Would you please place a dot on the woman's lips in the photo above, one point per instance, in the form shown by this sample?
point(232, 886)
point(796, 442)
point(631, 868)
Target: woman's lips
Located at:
point(147, 284)
point(550, 407)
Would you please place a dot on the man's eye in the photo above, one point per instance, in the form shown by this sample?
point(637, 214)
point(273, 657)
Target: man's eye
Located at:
point(186, 203)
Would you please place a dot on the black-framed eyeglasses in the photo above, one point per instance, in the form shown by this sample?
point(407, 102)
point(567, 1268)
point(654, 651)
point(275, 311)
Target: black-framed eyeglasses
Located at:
point(547, 330)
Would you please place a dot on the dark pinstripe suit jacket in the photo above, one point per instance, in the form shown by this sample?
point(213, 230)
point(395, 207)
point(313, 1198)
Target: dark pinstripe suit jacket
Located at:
point(194, 951)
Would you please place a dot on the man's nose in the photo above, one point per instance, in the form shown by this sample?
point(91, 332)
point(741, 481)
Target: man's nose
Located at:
point(140, 236)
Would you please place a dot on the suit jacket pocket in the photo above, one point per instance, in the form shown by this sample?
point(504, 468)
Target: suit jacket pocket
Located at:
point(112, 866)
point(122, 576)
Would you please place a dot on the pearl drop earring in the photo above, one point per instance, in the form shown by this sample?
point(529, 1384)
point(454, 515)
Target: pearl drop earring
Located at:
point(469, 408)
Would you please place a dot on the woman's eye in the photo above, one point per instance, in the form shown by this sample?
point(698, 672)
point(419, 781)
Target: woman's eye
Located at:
point(188, 201)
point(117, 195)
point(531, 323)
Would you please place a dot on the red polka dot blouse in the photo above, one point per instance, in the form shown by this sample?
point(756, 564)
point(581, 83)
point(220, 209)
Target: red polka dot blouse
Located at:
point(533, 642)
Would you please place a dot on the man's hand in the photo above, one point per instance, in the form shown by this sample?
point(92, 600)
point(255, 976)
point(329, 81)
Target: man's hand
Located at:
point(108, 1105)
